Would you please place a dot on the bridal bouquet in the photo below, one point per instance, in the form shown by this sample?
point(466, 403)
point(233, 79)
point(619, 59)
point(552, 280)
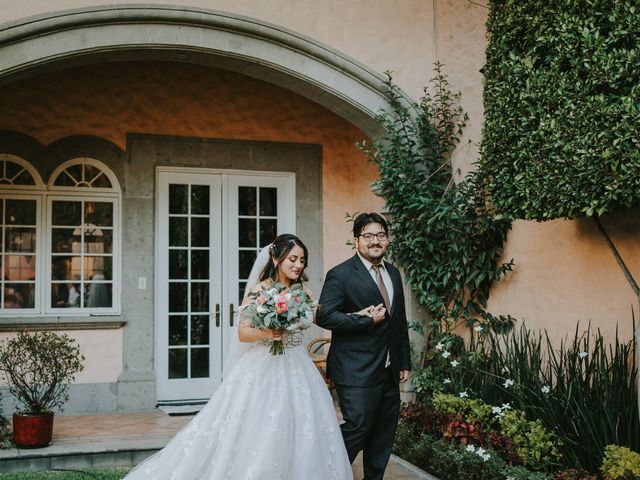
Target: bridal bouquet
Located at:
point(279, 308)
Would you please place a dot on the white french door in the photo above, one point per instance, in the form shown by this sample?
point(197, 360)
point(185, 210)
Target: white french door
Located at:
point(210, 226)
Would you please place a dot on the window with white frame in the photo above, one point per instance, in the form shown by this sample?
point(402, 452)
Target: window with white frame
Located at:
point(77, 233)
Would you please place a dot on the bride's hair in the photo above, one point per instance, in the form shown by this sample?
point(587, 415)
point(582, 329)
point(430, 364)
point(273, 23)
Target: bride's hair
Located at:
point(280, 248)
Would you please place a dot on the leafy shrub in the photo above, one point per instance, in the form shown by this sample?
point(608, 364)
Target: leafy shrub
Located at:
point(424, 417)
point(574, 474)
point(38, 367)
point(412, 445)
point(562, 107)
point(5, 434)
point(581, 389)
point(471, 410)
point(504, 447)
point(620, 462)
point(536, 446)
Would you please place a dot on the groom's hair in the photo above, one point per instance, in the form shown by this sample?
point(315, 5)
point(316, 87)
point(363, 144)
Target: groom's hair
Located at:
point(365, 219)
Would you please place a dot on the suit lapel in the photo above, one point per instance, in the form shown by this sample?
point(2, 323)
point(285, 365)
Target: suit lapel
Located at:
point(366, 279)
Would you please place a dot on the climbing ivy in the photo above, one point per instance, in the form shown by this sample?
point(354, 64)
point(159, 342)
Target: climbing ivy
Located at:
point(444, 234)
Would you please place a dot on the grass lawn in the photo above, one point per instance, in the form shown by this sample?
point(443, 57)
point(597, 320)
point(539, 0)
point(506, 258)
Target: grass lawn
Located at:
point(109, 474)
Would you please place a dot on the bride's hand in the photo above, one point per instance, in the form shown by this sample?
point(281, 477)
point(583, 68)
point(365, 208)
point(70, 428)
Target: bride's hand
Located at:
point(277, 334)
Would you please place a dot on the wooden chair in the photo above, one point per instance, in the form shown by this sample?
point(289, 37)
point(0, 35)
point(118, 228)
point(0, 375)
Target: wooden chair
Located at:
point(319, 356)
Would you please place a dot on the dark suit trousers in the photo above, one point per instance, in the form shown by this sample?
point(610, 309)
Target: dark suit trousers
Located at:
point(370, 420)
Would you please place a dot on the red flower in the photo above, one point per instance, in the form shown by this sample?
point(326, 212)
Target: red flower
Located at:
point(281, 306)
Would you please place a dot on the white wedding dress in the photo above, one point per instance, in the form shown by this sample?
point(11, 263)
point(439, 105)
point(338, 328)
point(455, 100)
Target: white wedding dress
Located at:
point(271, 418)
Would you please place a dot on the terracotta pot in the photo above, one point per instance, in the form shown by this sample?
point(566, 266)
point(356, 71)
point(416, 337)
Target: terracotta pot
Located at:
point(32, 431)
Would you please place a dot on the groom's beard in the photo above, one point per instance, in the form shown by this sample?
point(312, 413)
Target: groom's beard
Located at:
point(374, 255)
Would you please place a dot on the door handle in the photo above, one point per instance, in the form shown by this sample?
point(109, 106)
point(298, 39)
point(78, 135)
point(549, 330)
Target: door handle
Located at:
point(217, 314)
point(231, 312)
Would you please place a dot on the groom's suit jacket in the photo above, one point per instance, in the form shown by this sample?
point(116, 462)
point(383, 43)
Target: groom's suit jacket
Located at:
point(358, 350)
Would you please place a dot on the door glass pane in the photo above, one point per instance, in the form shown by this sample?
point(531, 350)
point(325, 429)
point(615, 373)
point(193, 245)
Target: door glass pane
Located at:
point(98, 295)
point(178, 330)
point(178, 363)
point(178, 199)
point(247, 201)
point(178, 268)
point(199, 199)
point(268, 231)
point(199, 232)
point(66, 213)
point(268, 202)
point(241, 289)
point(200, 330)
point(19, 295)
point(200, 264)
point(245, 262)
point(20, 212)
point(98, 213)
point(178, 297)
point(247, 232)
point(178, 231)
point(199, 297)
point(199, 362)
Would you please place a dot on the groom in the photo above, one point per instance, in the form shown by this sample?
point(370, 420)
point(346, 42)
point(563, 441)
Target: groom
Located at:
point(362, 303)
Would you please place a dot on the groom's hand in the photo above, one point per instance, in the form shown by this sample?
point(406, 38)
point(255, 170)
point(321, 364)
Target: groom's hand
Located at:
point(378, 313)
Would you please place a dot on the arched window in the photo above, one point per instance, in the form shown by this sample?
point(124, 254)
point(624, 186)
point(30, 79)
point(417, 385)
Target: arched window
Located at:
point(83, 205)
point(59, 243)
point(20, 235)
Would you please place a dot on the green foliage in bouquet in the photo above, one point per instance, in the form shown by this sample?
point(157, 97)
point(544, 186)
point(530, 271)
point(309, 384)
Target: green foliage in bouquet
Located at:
point(38, 368)
point(278, 307)
point(562, 107)
point(620, 463)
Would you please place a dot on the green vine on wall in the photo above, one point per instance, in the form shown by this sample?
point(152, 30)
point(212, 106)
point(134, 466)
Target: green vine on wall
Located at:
point(444, 234)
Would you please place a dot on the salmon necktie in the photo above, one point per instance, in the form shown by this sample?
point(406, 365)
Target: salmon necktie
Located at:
point(382, 288)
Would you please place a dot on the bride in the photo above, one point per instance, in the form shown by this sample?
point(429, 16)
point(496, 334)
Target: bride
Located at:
point(272, 417)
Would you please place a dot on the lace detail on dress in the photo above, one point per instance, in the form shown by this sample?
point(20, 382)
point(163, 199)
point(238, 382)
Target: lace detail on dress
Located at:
point(289, 339)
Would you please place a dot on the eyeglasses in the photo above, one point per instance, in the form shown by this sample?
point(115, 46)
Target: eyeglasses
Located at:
point(368, 237)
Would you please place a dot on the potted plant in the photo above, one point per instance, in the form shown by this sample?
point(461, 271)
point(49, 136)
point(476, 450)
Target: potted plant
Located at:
point(38, 368)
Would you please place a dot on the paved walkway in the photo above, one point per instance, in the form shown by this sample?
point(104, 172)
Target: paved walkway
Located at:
point(124, 439)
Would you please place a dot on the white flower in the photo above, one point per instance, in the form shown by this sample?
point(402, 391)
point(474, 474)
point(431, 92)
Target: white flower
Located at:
point(583, 354)
point(446, 354)
point(447, 381)
point(471, 448)
point(511, 478)
point(506, 406)
point(455, 363)
point(439, 346)
point(485, 457)
point(262, 309)
point(508, 383)
point(463, 394)
point(545, 389)
point(478, 328)
point(496, 410)
point(504, 370)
